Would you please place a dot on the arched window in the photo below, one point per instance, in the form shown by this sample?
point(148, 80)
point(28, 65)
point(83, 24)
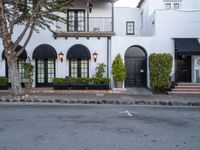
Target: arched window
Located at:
point(79, 57)
point(45, 56)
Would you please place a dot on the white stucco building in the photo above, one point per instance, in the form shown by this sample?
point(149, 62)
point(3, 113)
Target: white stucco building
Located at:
point(164, 26)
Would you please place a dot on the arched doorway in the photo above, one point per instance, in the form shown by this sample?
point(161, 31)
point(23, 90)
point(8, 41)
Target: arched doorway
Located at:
point(45, 56)
point(79, 56)
point(136, 67)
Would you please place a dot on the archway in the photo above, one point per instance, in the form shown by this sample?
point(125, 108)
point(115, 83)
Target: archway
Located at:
point(136, 67)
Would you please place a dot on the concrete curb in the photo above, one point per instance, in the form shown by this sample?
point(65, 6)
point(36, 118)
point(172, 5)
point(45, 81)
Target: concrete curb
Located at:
point(111, 102)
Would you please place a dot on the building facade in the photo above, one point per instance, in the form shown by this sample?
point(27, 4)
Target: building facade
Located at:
point(96, 27)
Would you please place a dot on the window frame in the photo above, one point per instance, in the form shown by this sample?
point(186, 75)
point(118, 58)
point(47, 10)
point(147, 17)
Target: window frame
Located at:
point(168, 4)
point(127, 28)
point(76, 20)
point(176, 4)
point(79, 68)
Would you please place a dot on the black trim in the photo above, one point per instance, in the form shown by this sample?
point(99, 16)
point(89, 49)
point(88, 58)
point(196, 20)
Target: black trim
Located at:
point(44, 51)
point(127, 28)
point(22, 56)
point(45, 84)
point(78, 52)
point(79, 68)
point(139, 62)
point(187, 46)
point(75, 19)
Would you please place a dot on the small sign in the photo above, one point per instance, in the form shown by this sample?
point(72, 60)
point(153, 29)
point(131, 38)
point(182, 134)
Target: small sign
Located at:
point(141, 71)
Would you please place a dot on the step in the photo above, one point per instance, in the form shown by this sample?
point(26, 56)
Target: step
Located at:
point(187, 87)
point(185, 90)
point(188, 84)
point(184, 93)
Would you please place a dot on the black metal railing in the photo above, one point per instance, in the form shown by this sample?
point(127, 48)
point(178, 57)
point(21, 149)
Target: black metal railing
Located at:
point(91, 24)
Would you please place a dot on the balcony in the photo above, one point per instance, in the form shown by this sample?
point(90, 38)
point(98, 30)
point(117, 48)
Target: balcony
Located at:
point(88, 27)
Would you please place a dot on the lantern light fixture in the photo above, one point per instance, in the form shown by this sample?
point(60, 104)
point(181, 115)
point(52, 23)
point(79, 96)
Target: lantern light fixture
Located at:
point(95, 55)
point(61, 56)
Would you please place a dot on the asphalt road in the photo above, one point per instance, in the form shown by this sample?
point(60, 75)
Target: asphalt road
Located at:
point(99, 128)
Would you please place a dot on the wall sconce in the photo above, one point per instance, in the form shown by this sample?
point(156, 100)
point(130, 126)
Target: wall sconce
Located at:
point(90, 6)
point(61, 56)
point(95, 55)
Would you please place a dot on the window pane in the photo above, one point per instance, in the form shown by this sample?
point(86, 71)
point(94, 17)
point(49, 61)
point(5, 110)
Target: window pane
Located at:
point(176, 5)
point(76, 20)
point(21, 69)
point(84, 68)
point(130, 28)
point(74, 68)
point(168, 5)
point(40, 71)
point(51, 70)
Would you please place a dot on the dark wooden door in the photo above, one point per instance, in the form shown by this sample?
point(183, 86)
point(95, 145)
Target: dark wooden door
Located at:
point(45, 72)
point(136, 72)
point(183, 68)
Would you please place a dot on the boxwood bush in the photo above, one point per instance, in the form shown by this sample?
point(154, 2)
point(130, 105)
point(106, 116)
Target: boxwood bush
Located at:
point(160, 69)
point(81, 80)
point(3, 80)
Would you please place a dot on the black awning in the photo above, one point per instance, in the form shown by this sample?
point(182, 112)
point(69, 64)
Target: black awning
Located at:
point(44, 51)
point(22, 56)
point(78, 52)
point(187, 46)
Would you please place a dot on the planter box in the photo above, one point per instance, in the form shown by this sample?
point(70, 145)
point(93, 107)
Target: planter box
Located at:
point(61, 86)
point(78, 86)
point(98, 87)
point(4, 87)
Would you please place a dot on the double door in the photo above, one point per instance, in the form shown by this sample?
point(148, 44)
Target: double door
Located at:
point(45, 72)
point(135, 72)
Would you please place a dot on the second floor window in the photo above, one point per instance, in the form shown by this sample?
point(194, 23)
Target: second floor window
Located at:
point(76, 20)
point(168, 6)
point(176, 5)
point(130, 28)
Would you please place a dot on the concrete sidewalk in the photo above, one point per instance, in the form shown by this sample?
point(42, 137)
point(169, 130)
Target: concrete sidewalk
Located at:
point(118, 99)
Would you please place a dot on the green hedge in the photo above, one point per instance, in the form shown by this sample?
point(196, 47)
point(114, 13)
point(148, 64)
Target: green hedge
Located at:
point(160, 69)
point(3, 80)
point(81, 80)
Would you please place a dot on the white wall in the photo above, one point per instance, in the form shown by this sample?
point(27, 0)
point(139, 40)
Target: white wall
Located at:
point(122, 15)
point(177, 24)
point(62, 44)
point(121, 44)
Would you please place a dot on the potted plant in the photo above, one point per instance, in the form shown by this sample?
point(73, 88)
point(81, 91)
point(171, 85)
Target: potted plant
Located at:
point(61, 83)
point(3, 83)
point(28, 73)
point(118, 71)
point(99, 84)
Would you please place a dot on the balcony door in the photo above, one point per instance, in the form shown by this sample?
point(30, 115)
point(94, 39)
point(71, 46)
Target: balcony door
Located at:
point(76, 20)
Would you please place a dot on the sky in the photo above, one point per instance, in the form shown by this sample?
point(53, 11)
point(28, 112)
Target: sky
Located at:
point(127, 3)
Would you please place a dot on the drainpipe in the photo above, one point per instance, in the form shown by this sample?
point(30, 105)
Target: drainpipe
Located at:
point(112, 16)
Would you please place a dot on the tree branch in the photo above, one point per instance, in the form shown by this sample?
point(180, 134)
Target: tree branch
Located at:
point(34, 16)
point(13, 17)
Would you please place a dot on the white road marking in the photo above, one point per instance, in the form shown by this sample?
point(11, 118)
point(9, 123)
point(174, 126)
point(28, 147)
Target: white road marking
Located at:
point(128, 113)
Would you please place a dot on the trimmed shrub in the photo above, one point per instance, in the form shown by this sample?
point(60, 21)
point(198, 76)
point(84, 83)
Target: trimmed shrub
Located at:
point(118, 69)
point(160, 69)
point(3, 80)
point(58, 81)
point(100, 70)
point(99, 80)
